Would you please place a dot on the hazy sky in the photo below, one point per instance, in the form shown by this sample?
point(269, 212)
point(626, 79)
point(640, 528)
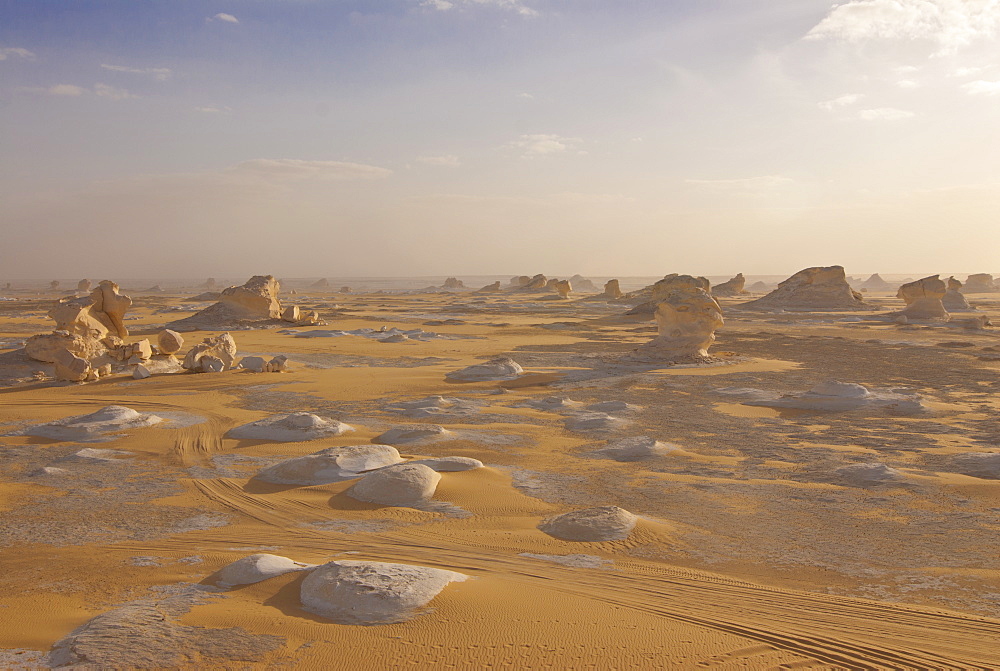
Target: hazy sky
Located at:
point(418, 137)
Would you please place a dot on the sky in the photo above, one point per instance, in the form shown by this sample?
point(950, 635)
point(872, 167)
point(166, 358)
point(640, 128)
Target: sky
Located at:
point(310, 138)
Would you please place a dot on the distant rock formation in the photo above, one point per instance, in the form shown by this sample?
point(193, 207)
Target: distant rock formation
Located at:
point(53, 285)
point(818, 288)
point(875, 283)
point(536, 283)
point(581, 283)
point(953, 300)
point(663, 288)
point(453, 283)
point(346, 290)
point(519, 281)
point(209, 284)
point(320, 284)
point(563, 288)
point(612, 289)
point(979, 283)
point(759, 287)
point(83, 285)
point(923, 298)
point(491, 288)
point(687, 319)
point(733, 287)
point(252, 304)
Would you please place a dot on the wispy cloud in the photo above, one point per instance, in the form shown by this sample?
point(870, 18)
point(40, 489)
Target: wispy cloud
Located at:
point(215, 109)
point(514, 5)
point(68, 90)
point(448, 160)
point(885, 114)
point(951, 24)
point(908, 84)
point(160, 74)
point(225, 18)
point(107, 91)
point(290, 169)
point(841, 101)
point(743, 183)
point(544, 145)
point(981, 87)
point(16, 52)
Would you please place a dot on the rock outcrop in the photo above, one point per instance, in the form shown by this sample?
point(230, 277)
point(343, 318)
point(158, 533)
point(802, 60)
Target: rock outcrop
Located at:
point(875, 283)
point(491, 288)
point(46, 347)
point(334, 464)
point(100, 313)
point(923, 298)
point(169, 342)
point(612, 289)
point(661, 289)
point(500, 368)
point(953, 300)
point(604, 523)
point(979, 283)
point(255, 301)
point(256, 568)
point(321, 283)
point(206, 356)
point(563, 288)
point(401, 485)
point(819, 288)
point(686, 320)
point(83, 285)
point(581, 283)
point(732, 287)
point(293, 428)
point(453, 283)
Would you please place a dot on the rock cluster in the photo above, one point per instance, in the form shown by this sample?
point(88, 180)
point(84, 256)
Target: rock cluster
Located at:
point(453, 283)
point(254, 303)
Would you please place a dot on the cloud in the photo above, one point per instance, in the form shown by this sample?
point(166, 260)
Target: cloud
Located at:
point(842, 101)
point(160, 74)
point(513, 5)
point(544, 145)
point(60, 90)
point(448, 160)
point(290, 169)
point(106, 91)
point(908, 84)
point(225, 18)
point(885, 114)
point(952, 24)
point(215, 109)
point(982, 87)
point(526, 96)
point(967, 72)
point(743, 183)
point(16, 52)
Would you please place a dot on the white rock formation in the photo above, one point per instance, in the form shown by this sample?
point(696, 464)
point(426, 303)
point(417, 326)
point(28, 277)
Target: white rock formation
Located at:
point(83, 285)
point(821, 289)
point(110, 419)
point(95, 315)
point(875, 283)
point(220, 348)
point(604, 523)
point(405, 435)
point(954, 300)
point(612, 289)
point(837, 396)
point(365, 592)
point(449, 464)
point(433, 406)
point(636, 448)
point(864, 475)
point(581, 283)
point(500, 368)
point(659, 291)
point(923, 299)
point(71, 368)
point(334, 464)
point(255, 301)
point(979, 283)
point(686, 319)
point(453, 283)
point(256, 568)
point(594, 422)
point(491, 288)
point(400, 485)
point(732, 287)
point(293, 428)
point(169, 342)
point(563, 288)
point(140, 372)
point(46, 347)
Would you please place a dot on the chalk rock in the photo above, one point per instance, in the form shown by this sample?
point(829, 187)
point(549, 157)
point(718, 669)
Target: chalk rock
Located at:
point(491, 288)
point(954, 300)
point(320, 284)
point(670, 284)
point(759, 287)
point(979, 283)
point(453, 283)
point(256, 568)
point(346, 290)
point(581, 283)
point(979, 464)
point(563, 288)
point(211, 364)
point(635, 448)
point(365, 592)
point(686, 323)
point(169, 342)
point(612, 289)
point(923, 298)
point(95, 315)
point(449, 464)
point(46, 347)
point(296, 427)
point(70, 367)
point(536, 283)
point(279, 364)
point(863, 475)
point(292, 314)
point(254, 301)
point(823, 289)
point(221, 347)
point(520, 281)
point(500, 368)
point(604, 523)
point(400, 485)
point(875, 283)
point(83, 285)
point(334, 464)
point(256, 364)
point(412, 434)
point(594, 421)
point(732, 287)
point(140, 372)
point(110, 419)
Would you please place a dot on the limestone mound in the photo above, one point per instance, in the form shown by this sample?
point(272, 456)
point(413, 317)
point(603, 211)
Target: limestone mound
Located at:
point(980, 464)
point(636, 448)
point(401, 485)
point(296, 427)
point(863, 475)
point(334, 464)
point(449, 464)
point(411, 434)
point(818, 288)
point(257, 567)
point(500, 368)
point(110, 419)
point(364, 592)
point(837, 396)
point(594, 421)
point(592, 525)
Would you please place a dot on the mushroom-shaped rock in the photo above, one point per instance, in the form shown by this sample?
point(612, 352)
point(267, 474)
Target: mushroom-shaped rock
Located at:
point(819, 288)
point(298, 426)
point(732, 287)
point(400, 485)
point(169, 342)
point(635, 448)
point(47, 346)
point(110, 419)
point(686, 322)
point(954, 300)
point(221, 347)
point(604, 523)
point(334, 464)
point(612, 289)
point(364, 592)
point(412, 434)
point(449, 464)
point(670, 284)
point(500, 368)
point(255, 568)
point(923, 298)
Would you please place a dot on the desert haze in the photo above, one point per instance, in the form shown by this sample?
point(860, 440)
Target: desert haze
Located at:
point(500, 334)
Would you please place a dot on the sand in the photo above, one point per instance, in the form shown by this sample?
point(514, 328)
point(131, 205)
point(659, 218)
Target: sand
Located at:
point(842, 535)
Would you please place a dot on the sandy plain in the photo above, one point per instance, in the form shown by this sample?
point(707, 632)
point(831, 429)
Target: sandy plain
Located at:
point(751, 551)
